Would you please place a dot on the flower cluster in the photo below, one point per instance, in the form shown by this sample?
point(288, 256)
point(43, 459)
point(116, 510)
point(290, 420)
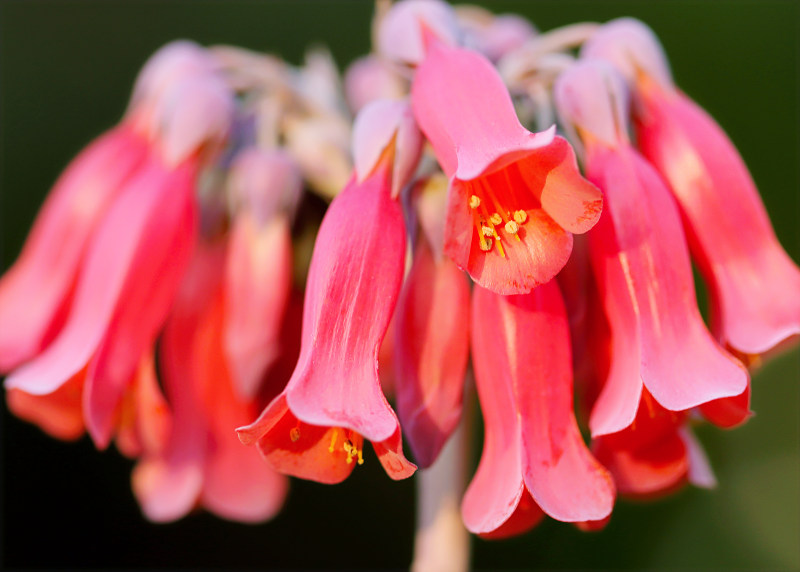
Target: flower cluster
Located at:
point(156, 302)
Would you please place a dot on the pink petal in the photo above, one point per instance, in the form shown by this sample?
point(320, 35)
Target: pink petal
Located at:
point(168, 481)
point(237, 484)
point(700, 472)
point(162, 254)
point(465, 111)
point(431, 350)
point(265, 183)
point(531, 353)
point(258, 279)
point(390, 454)
point(497, 489)
point(642, 263)
point(402, 30)
point(387, 126)
point(752, 280)
point(103, 276)
point(49, 263)
point(353, 285)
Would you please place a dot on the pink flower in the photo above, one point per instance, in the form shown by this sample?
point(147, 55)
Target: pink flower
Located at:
point(315, 428)
point(641, 265)
point(265, 187)
point(533, 448)
point(516, 197)
point(753, 283)
point(135, 256)
point(200, 460)
point(36, 291)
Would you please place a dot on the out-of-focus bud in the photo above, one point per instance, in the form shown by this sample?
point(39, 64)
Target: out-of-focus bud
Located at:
point(368, 79)
point(631, 46)
point(320, 145)
point(602, 117)
point(493, 36)
point(383, 124)
point(265, 183)
point(400, 34)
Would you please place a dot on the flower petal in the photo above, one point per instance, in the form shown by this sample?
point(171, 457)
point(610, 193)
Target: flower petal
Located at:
point(35, 291)
point(258, 280)
point(431, 351)
point(152, 280)
point(642, 262)
point(353, 285)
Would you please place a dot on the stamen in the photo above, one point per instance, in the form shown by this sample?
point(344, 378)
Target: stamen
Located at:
point(520, 216)
point(350, 450)
point(487, 231)
point(335, 434)
point(486, 246)
point(500, 247)
point(474, 202)
point(496, 219)
point(511, 227)
point(294, 434)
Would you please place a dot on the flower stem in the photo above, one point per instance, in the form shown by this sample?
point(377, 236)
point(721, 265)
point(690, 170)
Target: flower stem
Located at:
point(441, 543)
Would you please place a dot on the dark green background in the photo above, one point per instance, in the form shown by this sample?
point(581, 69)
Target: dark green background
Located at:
point(67, 68)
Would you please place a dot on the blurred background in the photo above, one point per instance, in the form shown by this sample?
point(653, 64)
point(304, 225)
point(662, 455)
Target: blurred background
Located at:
point(66, 69)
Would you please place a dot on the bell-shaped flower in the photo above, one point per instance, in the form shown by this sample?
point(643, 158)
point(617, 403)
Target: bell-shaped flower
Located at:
point(371, 78)
point(135, 257)
point(753, 284)
point(401, 32)
point(265, 187)
point(431, 338)
point(532, 446)
point(36, 291)
point(641, 265)
point(492, 35)
point(199, 461)
point(316, 427)
point(516, 197)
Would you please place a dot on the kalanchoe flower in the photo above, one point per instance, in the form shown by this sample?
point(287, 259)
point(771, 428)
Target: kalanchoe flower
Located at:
point(137, 254)
point(316, 427)
point(533, 448)
point(36, 290)
point(753, 284)
point(516, 197)
point(401, 33)
point(199, 460)
point(371, 78)
point(431, 341)
point(641, 264)
point(265, 187)
point(492, 35)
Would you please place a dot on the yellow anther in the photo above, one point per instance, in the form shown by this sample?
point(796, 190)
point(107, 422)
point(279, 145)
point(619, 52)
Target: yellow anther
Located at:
point(360, 457)
point(512, 227)
point(487, 231)
point(474, 202)
point(486, 245)
point(294, 434)
point(520, 216)
point(496, 219)
point(350, 449)
point(332, 448)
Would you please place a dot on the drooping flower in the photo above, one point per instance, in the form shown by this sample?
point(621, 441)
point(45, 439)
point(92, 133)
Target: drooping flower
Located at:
point(136, 255)
point(516, 197)
point(265, 187)
point(641, 264)
point(753, 284)
point(315, 428)
point(431, 342)
point(199, 461)
point(533, 450)
point(36, 291)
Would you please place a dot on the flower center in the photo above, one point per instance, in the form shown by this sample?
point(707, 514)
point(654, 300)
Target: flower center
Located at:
point(352, 444)
point(492, 222)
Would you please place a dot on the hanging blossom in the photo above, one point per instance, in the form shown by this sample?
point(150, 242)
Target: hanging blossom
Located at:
point(455, 236)
point(173, 231)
